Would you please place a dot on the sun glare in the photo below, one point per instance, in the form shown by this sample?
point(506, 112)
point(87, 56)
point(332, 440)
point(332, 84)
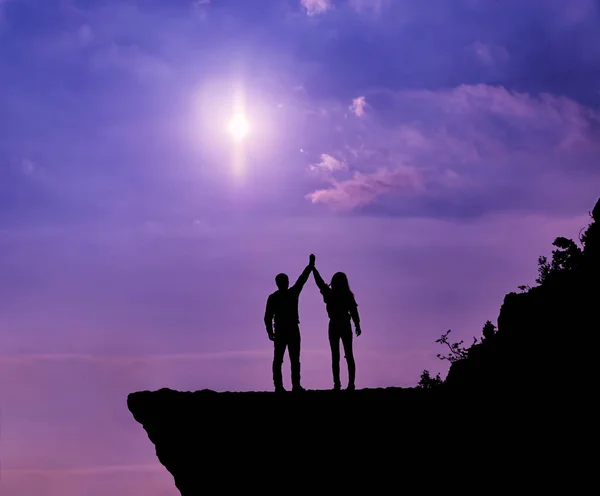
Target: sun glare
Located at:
point(238, 127)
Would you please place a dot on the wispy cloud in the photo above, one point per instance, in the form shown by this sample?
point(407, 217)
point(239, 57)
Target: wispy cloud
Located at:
point(362, 189)
point(369, 6)
point(28, 167)
point(85, 34)
point(452, 136)
point(74, 471)
point(145, 66)
point(316, 7)
point(358, 106)
point(545, 120)
point(329, 164)
point(200, 9)
point(489, 54)
point(578, 11)
point(82, 357)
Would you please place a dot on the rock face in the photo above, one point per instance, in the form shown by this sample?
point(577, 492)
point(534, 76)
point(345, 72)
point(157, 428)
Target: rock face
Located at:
point(316, 441)
point(545, 335)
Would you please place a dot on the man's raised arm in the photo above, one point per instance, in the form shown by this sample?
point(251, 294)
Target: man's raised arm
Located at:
point(269, 314)
point(299, 284)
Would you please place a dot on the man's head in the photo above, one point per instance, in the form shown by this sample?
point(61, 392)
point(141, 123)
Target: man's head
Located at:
point(282, 281)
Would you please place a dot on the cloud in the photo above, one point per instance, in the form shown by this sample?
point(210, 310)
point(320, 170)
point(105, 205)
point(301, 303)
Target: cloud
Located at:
point(538, 122)
point(489, 54)
point(471, 143)
point(316, 7)
point(125, 359)
point(578, 11)
point(329, 164)
point(28, 167)
point(362, 189)
point(369, 6)
point(358, 106)
point(85, 34)
point(98, 470)
point(200, 9)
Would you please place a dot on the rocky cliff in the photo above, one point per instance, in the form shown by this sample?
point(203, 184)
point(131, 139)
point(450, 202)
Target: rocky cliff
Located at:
point(311, 442)
point(546, 335)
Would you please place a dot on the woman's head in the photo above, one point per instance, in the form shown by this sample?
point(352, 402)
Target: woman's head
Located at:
point(339, 282)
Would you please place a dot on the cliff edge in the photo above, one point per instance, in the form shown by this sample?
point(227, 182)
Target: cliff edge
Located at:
point(290, 442)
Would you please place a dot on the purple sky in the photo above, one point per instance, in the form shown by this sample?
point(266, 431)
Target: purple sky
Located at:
point(431, 150)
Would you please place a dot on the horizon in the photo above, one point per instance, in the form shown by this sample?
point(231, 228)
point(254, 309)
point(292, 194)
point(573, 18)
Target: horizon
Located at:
point(161, 163)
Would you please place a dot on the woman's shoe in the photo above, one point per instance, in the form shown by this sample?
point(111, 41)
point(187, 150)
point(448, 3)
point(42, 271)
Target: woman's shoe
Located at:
point(350, 387)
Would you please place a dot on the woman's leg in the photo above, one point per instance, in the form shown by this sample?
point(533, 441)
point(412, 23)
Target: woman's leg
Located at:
point(346, 336)
point(334, 343)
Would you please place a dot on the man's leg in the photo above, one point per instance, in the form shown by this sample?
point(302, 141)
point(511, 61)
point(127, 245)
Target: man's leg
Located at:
point(279, 351)
point(346, 336)
point(294, 352)
point(334, 344)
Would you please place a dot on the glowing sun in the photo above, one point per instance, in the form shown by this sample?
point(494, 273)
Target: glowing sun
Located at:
point(239, 127)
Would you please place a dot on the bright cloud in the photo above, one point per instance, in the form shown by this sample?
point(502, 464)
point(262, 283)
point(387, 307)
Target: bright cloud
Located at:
point(329, 164)
point(358, 106)
point(316, 7)
point(362, 189)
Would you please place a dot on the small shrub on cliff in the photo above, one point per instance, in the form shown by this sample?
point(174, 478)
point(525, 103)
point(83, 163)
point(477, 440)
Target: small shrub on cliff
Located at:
point(428, 382)
point(488, 330)
point(566, 257)
point(457, 350)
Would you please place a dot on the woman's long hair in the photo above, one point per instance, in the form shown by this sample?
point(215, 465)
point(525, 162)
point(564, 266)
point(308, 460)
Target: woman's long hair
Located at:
point(340, 285)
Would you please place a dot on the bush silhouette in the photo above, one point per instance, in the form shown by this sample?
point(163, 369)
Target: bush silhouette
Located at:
point(562, 309)
point(428, 382)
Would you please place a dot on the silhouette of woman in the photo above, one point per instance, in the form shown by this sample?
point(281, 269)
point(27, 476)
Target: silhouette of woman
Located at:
point(341, 308)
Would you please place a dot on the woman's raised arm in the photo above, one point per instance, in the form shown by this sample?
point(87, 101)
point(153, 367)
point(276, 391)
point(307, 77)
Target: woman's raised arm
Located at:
point(323, 287)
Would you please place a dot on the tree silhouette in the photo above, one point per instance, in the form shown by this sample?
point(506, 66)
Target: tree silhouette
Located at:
point(428, 382)
point(566, 257)
point(457, 350)
point(595, 216)
point(488, 330)
point(543, 270)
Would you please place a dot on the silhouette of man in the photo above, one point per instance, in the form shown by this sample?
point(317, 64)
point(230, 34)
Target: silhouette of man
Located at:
point(282, 306)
